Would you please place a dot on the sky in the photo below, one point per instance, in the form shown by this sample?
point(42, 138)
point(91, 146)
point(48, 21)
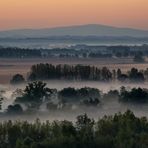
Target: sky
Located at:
point(18, 14)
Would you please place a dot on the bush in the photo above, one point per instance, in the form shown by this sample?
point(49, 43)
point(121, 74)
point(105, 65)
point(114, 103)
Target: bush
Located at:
point(17, 79)
point(14, 109)
point(133, 95)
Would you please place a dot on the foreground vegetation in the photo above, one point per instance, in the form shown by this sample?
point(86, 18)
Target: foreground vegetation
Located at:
point(118, 131)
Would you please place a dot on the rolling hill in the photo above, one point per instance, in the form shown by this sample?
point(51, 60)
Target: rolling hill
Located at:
point(79, 30)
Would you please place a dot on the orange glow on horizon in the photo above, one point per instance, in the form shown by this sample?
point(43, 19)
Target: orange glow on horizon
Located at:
point(15, 14)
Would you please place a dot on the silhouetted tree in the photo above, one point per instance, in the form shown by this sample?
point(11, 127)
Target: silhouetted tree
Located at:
point(136, 76)
point(134, 95)
point(34, 94)
point(14, 109)
point(17, 79)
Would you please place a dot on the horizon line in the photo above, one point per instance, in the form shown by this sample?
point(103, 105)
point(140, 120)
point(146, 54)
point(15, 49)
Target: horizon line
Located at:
point(75, 25)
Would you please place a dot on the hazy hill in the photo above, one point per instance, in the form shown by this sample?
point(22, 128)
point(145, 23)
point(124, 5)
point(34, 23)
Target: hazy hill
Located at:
point(81, 30)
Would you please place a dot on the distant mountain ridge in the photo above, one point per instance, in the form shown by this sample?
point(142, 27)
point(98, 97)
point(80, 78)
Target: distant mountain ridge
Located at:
point(78, 30)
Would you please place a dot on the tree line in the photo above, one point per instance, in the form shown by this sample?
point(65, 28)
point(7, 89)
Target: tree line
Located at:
point(70, 72)
point(85, 72)
point(37, 94)
point(13, 52)
point(117, 131)
point(72, 52)
point(85, 51)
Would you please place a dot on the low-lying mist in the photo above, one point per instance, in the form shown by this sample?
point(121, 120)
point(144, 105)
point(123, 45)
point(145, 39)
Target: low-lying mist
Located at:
point(106, 107)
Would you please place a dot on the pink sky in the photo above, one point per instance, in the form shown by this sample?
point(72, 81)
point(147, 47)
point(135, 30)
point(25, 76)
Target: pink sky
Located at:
point(16, 14)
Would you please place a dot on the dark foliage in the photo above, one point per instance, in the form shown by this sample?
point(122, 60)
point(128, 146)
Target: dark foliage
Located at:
point(34, 94)
point(82, 72)
point(14, 109)
point(111, 94)
point(17, 79)
point(78, 72)
point(1, 100)
point(99, 55)
point(91, 102)
point(89, 96)
point(12, 52)
point(118, 131)
point(133, 95)
point(136, 76)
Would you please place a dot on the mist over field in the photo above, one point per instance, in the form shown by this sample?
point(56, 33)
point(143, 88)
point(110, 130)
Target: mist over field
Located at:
point(10, 67)
point(107, 106)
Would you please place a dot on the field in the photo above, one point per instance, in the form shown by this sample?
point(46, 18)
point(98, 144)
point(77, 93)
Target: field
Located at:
point(9, 67)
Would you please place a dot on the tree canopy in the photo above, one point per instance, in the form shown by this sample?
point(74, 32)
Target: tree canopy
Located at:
point(17, 79)
point(118, 131)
